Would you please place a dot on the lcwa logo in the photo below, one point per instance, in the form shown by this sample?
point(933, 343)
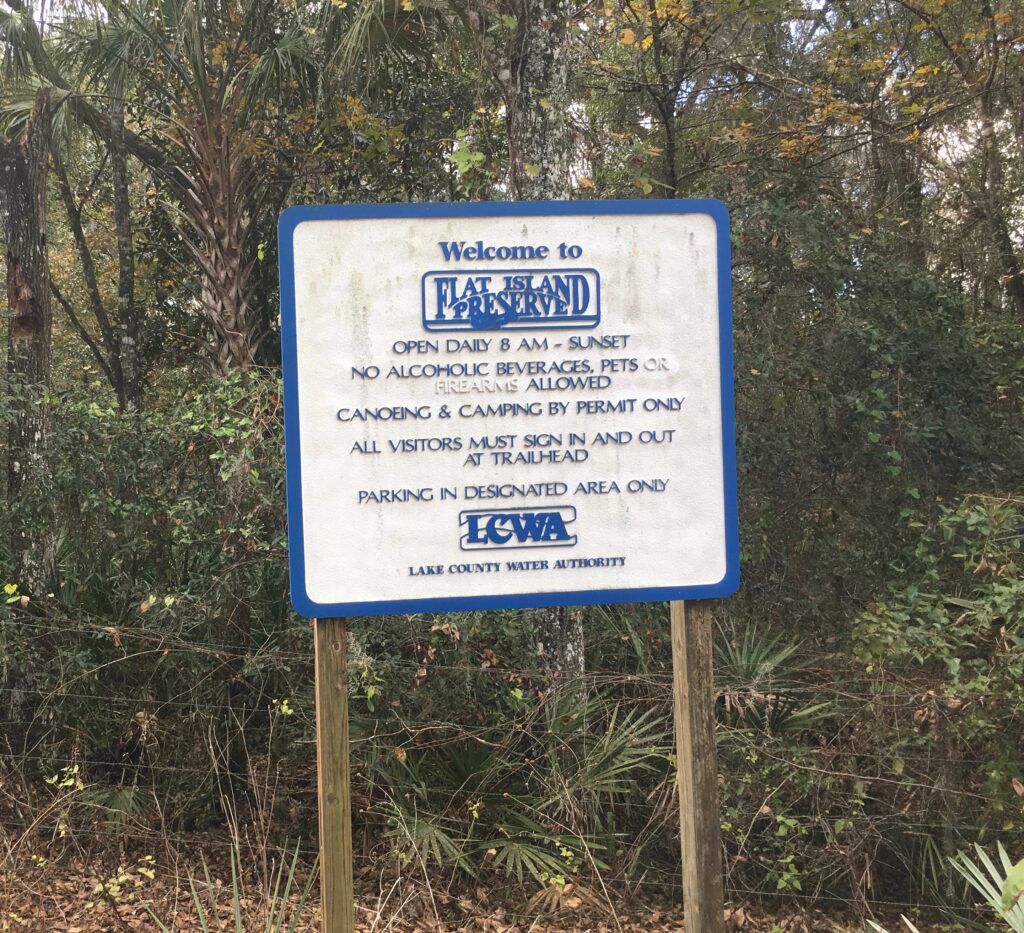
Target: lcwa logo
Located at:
point(524, 299)
point(517, 528)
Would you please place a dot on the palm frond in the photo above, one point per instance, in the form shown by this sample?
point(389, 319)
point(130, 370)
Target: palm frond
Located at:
point(15, 60)
point(20, 100)
point(520, 857)
point(381, 35)
point(990, 882)
point(628, 747)
point(420, 835)
point(763, 685)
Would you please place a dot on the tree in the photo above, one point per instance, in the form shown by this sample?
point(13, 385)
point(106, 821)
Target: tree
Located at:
point(971, 41)
point(117, 349)
point(528, 50)
point(23, 172)
point(206, 86)
point(214, 85)
point(664, 53)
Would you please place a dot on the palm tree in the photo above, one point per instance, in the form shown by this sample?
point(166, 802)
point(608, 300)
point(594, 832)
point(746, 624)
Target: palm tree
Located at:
point(222, 101)
point(213, 92)
point(211, 87)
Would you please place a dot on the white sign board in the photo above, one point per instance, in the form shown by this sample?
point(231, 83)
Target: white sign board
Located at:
point(507, 404)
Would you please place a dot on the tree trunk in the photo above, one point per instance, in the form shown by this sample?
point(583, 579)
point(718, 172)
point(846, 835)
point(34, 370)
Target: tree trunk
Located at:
point(217, 205)
point(225, 302)
point(898, 189)
point(23, 175)
point(669, 158)
point(1012, 278)
point(538, 101)
point(130, 393)
point(104, 350)
point(540, 145)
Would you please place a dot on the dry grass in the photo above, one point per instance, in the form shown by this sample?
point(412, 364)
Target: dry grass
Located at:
point(103, 893)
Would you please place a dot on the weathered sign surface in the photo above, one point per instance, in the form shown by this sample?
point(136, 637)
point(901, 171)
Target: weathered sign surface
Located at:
point(507, 404)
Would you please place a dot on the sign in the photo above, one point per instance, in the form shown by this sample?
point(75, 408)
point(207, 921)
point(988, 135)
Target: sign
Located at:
point(497, 405)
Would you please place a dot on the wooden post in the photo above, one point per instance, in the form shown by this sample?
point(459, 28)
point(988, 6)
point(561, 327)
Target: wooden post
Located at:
point(337, 903)
point(697, 763)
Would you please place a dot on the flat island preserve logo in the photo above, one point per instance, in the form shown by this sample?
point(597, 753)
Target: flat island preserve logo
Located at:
point(517, 298)
point(507, 529)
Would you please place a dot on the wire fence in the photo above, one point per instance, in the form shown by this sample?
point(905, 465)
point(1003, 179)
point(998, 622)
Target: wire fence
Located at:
point(56, 790)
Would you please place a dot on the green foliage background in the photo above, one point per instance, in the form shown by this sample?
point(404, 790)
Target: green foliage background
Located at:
point(871, 669)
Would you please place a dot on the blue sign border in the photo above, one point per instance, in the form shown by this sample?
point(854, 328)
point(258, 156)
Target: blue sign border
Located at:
point(294, 216)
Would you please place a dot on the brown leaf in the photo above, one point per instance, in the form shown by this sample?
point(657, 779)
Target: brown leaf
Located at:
point(736, 918)
point(985, 565)
point(1018, 786)
point(447, 628)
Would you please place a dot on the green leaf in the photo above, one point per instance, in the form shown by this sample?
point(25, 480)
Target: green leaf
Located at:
point(1013, 887)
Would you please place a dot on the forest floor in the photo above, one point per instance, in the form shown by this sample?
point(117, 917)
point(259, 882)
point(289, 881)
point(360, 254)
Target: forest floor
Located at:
point(74, 898)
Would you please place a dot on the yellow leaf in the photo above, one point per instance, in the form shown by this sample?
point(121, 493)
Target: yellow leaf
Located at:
point(647, 43)
point(628, 37)
point(585, 182)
